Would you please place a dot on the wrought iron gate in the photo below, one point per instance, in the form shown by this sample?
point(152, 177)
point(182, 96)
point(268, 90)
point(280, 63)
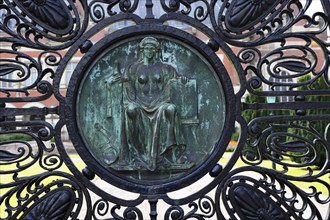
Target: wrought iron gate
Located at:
point(91, 131)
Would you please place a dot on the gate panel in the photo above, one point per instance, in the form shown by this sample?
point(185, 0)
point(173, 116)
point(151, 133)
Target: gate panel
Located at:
point(169, 109)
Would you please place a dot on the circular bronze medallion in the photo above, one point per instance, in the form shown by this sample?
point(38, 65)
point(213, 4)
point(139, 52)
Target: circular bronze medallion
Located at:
point(150, 109)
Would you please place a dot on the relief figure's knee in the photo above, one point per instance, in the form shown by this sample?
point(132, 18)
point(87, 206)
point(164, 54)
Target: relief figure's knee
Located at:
point(170, 110)
point(132, 110)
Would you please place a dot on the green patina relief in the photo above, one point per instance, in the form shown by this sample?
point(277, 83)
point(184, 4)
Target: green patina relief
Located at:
point(151, 108)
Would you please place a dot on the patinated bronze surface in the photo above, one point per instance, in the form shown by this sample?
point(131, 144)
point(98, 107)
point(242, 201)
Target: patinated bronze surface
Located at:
point(145, 108)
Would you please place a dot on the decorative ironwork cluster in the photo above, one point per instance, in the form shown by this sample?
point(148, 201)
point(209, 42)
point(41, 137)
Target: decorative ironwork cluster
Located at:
point(240, 29)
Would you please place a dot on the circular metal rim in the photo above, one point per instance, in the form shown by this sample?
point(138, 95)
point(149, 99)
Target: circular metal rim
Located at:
point(192, 175)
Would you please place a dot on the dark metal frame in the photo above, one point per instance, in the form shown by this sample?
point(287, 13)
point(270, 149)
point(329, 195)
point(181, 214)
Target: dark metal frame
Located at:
point(248, 192)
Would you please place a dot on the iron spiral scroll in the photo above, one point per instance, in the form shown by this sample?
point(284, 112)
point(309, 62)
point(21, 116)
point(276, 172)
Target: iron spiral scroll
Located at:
point(79, 78)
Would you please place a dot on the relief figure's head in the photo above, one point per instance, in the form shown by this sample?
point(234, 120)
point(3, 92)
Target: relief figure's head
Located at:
point(149, 47)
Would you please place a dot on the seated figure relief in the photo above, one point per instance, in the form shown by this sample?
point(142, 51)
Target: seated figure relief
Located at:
point(151, 126)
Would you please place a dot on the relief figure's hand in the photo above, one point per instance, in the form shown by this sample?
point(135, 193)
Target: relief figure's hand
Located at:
point(183, 79)
point(112, 79)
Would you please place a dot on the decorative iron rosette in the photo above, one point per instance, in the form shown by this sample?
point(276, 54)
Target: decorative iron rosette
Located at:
point(243, 15)
point(255, 192)
point(255, 21)
point(28, 22)
point(54, 195)
point(54, 16)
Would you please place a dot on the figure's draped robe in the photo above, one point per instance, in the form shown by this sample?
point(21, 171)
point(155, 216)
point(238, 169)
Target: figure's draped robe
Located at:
point(151, 122)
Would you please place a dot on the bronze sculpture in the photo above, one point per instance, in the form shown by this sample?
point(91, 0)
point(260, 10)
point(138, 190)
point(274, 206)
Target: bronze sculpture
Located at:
point(151, 123)
point(145, 108)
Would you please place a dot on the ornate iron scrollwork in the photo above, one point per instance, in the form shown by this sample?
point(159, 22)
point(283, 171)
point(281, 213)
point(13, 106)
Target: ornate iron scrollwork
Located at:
point(95, 71)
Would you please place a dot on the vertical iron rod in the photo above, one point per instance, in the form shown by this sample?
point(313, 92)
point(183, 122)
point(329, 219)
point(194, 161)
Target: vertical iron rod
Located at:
point(153, 209)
